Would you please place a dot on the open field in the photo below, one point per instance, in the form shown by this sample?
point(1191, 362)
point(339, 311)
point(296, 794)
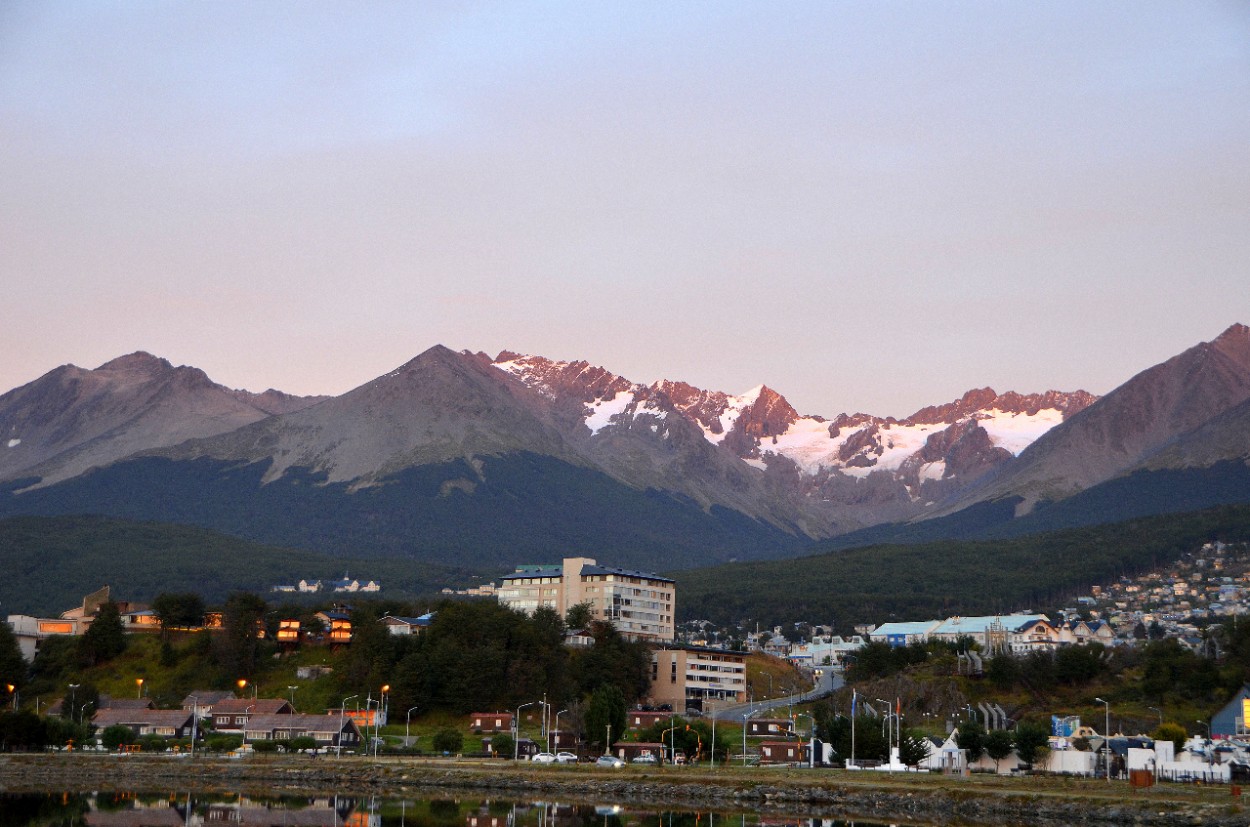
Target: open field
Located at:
point(911, 798)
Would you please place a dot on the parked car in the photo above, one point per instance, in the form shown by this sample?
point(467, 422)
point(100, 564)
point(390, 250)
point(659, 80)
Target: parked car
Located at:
point(566, 758)
point(609, 761)
point(644, 758)
point(543, 758)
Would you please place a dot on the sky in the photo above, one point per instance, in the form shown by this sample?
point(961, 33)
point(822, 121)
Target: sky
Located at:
point(866, 206)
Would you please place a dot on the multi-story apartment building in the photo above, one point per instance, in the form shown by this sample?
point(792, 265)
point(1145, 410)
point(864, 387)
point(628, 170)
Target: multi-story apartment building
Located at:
point(693, 677)
point(639, 604)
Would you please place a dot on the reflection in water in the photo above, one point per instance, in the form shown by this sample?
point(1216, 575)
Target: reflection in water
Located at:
point(187, 810)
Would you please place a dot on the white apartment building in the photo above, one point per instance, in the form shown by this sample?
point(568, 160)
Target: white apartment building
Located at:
point(639, 604)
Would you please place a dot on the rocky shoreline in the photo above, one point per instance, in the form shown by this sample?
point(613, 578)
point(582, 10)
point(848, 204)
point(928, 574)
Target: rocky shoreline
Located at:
point(918, 799)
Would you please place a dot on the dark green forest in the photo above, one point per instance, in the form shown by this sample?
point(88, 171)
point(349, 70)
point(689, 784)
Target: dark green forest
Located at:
point(907, 582)
point(51, 562)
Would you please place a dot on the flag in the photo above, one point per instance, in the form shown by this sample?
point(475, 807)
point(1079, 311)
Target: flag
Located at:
point(854, 701)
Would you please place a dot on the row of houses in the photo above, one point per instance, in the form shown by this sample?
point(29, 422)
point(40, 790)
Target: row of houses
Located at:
point(1016, 634)
point(346, 585)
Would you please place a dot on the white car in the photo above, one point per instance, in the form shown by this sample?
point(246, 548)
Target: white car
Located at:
point(543, 758)
point(609, 761)
point(566, 758)
point(644, 758)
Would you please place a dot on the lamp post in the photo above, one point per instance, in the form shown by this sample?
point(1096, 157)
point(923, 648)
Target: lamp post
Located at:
point(13, 692)
point(138, 687)
point(1107, 737)
point(73, 698)
point(292, 689)
point(407, 720)
point(516, 729)
point(1160, 711)
point(247, 719)
point(195, 719)
point(342, 715)
point(556, 746)
point(242, 684)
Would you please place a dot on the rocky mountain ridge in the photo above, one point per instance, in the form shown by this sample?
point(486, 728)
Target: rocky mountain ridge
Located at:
point(464, 436)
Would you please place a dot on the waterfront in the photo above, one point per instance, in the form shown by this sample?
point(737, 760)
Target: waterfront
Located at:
point(775, 795)
point(178, 809)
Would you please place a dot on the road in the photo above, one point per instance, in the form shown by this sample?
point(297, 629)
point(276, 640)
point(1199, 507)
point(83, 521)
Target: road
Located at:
point(828, 682)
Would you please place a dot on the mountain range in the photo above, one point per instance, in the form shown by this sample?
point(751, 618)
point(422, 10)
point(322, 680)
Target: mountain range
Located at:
point(470, 459)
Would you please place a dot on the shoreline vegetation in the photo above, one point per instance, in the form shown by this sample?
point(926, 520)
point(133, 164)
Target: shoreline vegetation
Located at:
point(908, 798)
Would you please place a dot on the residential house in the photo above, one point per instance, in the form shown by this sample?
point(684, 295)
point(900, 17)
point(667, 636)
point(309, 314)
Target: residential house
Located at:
point(338, 626)
point(408, 625)
point(639, 604)
point(769, 727)
point(692, 677)
point(327, 730)
point(141, 620)
point(290, 631)
point(232, 714)
point(203, 700)
point(643, 718)
point(1033, 636)
point(783, 752)
point(490, 721)
point(167, 723)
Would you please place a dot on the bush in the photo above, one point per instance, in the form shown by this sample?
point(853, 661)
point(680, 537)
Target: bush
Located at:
point(303, 742)
point(153, 743)
point(448, 741)
point(223, 743)
point(116, 735)
point(503, 745)
point(265, 746)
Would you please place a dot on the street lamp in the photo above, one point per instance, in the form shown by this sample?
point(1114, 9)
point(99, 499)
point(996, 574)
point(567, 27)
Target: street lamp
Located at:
point(1107, 737)
point(1160, 711)
point(195, 719)
point(13, 692)
point(292, 689)
point(556, 745)
point(407, 720)
point(242, 684)
point(73, 698)
point(342, 714)
point(138, 687)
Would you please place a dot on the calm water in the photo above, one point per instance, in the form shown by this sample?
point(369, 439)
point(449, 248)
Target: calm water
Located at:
point(188, 810)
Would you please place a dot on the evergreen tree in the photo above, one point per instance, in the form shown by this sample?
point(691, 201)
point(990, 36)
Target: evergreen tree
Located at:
point(1032, 742)
point(239, 644)
point(104, 639)
point(185, 609)
point(998, 745)
point(606, 709)
point(971, 737)
point(13, 667)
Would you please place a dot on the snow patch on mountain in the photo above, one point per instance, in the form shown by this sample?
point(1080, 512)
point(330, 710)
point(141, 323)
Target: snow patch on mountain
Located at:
point(1017, 431)
point(602, 411)
point(734, 406)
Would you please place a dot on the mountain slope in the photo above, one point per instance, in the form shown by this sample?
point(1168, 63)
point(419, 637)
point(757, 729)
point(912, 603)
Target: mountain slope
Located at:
point(72, 419)
point(1127, 426)
point(915, 582)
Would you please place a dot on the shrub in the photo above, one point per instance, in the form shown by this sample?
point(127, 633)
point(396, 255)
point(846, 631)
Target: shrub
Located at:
point(265, 746)
point(116, 735)
point(503, 745)
point(448, 741)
